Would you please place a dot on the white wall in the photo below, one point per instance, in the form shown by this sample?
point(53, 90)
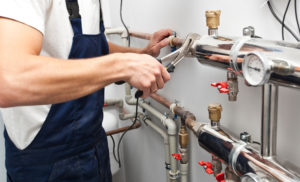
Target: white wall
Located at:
point(190, 82)
point(143, 148)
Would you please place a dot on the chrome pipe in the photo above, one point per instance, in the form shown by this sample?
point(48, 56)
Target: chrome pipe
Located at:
point(228, 53)
point(269, 120)
point(242, 158)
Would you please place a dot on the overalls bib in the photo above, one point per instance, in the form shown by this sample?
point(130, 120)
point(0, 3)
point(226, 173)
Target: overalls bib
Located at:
point(71, 145)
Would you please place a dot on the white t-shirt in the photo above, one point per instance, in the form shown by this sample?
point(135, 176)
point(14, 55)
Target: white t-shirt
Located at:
point(51, 18)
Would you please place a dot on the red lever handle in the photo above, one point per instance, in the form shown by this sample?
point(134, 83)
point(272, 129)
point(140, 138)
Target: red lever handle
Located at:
point(177, 156)
point(222, 86)
point(220, 177)
point(207, 166)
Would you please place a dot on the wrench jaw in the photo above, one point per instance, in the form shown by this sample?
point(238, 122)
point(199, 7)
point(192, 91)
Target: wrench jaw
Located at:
point(183, 51)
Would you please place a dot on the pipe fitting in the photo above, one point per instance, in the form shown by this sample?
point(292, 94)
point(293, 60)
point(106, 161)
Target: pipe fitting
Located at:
point(174, 176)
point(183, 137)
point(213, 18)
point(213, 21)
point(215, 114)
point(233, 86)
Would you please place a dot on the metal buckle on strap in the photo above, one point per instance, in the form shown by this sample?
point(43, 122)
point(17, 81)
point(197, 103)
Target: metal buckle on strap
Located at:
point(73, 9)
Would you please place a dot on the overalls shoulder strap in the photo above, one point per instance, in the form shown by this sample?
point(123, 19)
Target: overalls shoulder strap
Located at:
point(75, 17)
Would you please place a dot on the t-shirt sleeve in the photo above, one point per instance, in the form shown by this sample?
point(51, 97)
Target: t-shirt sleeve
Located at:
point(29, 12)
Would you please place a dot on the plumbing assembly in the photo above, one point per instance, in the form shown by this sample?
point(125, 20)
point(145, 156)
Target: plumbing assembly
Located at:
point(260, 62)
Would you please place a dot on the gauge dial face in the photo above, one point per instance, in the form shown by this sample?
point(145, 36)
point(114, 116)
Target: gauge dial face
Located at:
point(255, 69)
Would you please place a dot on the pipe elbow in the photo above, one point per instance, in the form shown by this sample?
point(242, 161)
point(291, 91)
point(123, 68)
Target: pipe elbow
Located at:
point(130, 100)
point(171, 125)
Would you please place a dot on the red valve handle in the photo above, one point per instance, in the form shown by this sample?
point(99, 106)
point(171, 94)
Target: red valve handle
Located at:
point(177, 156)
point(220, 177)
point(222, 86)
point(207, 166)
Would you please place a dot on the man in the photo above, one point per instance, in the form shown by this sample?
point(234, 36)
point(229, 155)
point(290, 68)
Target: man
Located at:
point(54, 64)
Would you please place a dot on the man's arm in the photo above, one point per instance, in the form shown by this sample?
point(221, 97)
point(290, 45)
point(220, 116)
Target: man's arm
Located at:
point(29, 79)
point(158, 40)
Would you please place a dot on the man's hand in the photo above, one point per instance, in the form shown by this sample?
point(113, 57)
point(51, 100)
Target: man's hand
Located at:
point(158, 40)
point(144, 72)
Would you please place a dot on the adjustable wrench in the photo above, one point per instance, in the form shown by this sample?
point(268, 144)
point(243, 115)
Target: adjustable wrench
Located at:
point(176, 56)
point(179, 54)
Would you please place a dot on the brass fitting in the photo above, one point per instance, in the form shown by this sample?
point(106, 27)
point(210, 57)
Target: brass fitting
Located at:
point(215, 112)
point(213, 18)
point(183, 137)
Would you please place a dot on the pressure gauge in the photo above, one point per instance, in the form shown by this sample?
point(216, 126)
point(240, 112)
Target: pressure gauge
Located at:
point(256, 69)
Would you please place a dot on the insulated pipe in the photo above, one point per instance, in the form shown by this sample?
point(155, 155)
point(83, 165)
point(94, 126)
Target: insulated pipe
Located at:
point(166, 143)
point(269, 120)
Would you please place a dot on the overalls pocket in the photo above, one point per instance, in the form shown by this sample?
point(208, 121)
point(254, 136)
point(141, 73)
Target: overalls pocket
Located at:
point(79, 168)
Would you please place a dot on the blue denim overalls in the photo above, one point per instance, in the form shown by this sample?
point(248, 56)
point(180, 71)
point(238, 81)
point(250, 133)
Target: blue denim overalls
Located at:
point(71, 145)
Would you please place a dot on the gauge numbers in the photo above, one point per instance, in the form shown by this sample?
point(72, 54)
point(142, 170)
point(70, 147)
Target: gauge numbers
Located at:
point(256, 69)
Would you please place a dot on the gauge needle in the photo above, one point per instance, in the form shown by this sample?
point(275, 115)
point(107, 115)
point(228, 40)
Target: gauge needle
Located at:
point(256, 69)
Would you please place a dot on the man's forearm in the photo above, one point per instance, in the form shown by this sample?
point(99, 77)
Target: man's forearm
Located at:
point(44, 80)
point(114, 48)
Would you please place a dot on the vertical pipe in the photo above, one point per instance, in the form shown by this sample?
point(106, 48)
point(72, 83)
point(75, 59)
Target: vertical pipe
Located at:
point(269, 120)
point(184, 170)
point(166, 143)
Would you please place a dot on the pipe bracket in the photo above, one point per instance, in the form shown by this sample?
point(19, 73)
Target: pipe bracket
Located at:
point(234, 153)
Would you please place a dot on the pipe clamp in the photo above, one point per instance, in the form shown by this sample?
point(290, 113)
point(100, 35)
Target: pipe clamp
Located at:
point(233, 156)
point(234, 53)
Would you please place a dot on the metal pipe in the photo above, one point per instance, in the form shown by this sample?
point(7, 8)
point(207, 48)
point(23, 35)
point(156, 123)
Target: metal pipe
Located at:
point(269, 120)
point(166, 143)
point(228, 53)
point(241, 157)
point(174, 41)
point(121, 130)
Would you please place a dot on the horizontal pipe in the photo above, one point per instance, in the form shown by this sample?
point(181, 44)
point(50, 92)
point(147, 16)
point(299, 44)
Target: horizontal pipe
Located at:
point(241, 157)
point(121, 130)
point(163, 101)
point(175, 41)
point(229, 52)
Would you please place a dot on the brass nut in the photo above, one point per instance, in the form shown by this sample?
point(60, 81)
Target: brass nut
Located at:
point(215, 112)
point(213, 18)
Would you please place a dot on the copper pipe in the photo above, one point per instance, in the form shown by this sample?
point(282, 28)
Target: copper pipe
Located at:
point(140, 35)
point(161, 100)
point(187, 117)
point(175, 41)
point(120, 130)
